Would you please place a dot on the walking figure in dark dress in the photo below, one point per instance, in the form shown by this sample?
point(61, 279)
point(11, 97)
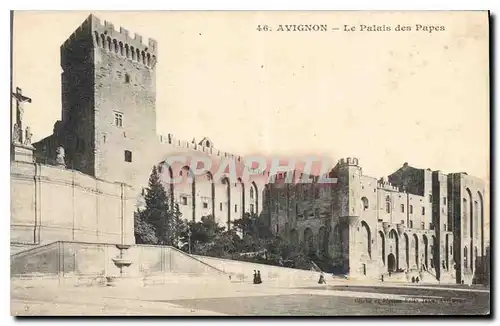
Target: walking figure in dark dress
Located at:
point(259, 280)
point(254, 277)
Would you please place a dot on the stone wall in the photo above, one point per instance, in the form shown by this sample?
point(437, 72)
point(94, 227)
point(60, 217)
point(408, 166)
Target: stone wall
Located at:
point(49, 203)
point(80, 259)
point(243, 271)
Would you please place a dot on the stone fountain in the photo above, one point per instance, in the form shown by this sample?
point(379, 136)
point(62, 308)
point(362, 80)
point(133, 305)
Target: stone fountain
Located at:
point(121, 262)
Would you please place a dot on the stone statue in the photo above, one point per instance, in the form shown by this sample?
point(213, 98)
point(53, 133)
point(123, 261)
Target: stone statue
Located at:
point(17, 134)
point(20, 100)
point(60, 156)
point(27, 136)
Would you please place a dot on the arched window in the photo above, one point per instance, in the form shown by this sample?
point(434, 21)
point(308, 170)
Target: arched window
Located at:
point(148, 63)
point(365, 238)
point(127, 53)
point(121, 48)
point(387, 204)
point(251, 193)
point(411, 209)
point(464, 218)
point(132, 51)
point(97, 39)
point(364, 200)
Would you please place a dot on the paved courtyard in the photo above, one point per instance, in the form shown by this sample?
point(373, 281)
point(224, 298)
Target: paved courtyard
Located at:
point(241, 299)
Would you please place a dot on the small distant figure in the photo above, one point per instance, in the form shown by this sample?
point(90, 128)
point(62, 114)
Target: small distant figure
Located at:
point(259, 279)
point(382, 278)
point(254, 277)
point(413, 279)
point(321, 279)
point(390, 273)
point(416, 280)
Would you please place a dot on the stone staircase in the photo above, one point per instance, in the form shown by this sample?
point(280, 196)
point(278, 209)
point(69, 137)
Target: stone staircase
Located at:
point(20, 247)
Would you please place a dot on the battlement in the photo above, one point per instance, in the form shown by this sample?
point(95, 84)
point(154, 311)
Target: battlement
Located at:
point(119, 42)
point(386, 185)
point(210, 150)
point(350, 161)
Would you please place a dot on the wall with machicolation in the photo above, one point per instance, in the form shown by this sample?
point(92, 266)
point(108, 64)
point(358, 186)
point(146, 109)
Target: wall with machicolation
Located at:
point(109, 126)
point(371, 226)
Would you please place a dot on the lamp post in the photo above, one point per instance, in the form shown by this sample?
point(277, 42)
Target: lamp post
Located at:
point(189, 239)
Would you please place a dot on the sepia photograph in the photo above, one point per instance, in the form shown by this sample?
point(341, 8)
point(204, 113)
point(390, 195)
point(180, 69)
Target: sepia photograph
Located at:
point(250, 163)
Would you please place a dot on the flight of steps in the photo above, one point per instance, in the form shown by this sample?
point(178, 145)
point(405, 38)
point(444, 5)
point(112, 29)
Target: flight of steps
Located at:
point(20, 247)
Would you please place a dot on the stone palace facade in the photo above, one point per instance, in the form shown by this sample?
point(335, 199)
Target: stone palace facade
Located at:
point(416, 220)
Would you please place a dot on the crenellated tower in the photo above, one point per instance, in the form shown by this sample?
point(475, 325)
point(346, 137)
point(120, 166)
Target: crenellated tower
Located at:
point(108, 99)
point(349, 197)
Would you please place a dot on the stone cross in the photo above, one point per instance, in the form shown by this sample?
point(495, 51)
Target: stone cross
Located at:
point(18, 126)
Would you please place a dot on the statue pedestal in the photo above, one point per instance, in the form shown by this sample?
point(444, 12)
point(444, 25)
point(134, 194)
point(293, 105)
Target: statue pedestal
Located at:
point(22, 153)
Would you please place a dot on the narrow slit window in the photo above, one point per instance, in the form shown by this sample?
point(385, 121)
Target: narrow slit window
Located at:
point(128, 156)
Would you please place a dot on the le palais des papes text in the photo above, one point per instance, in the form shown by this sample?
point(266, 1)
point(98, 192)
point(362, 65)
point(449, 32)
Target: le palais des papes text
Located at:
point(350, 28)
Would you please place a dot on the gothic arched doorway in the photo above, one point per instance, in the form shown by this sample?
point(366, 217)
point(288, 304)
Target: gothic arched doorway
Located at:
point(391, 263)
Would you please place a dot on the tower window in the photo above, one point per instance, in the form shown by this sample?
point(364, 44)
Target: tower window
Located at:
point(205, 205)
point(118, 119)
point(127, 78)
point(364, 200)
point(402, 208)
point(423, 210)
point(220, 206)
point(128, 156)
point(184, 200)
point(236, 208)
point(411, 209)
